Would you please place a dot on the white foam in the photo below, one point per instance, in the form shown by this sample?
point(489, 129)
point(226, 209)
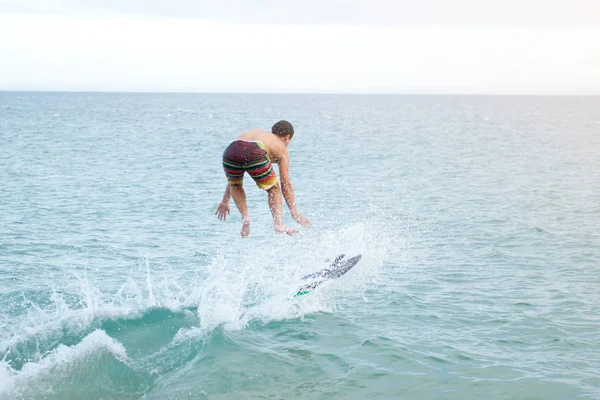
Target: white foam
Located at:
point(258, 285)
point(184, 335)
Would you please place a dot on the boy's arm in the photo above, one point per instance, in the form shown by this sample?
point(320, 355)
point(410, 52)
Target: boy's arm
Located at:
point(227, 194)
point(223, 208)
point(288, 191)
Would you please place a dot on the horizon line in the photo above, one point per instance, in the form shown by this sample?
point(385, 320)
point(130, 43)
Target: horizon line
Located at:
point(341, 93)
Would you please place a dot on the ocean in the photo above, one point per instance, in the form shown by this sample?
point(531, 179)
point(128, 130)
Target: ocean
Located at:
point(478, 218)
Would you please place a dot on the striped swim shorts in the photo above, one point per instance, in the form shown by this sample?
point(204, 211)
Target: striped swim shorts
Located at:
point(251, 157)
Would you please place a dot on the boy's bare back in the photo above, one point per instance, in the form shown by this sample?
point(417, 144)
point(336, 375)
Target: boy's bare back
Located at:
point(275, 148)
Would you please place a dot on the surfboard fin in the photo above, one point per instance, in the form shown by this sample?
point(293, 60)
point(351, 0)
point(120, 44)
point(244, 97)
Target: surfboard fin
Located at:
point(337, 259)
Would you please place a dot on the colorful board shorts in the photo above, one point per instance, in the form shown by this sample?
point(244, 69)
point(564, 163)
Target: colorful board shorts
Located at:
point(251, 157)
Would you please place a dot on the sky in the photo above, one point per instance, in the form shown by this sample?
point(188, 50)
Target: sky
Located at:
point(324, 46)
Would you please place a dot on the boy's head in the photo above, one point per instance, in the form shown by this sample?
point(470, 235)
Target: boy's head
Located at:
point(284, 130)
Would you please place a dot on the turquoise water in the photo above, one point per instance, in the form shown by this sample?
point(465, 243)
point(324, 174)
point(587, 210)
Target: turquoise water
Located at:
point(478, 220)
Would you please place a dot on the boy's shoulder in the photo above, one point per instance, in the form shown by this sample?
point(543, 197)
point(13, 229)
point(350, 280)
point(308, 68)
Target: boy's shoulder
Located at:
point(277, 149)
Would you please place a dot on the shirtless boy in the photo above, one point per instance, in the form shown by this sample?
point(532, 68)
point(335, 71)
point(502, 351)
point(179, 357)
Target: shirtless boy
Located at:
point(253, 152)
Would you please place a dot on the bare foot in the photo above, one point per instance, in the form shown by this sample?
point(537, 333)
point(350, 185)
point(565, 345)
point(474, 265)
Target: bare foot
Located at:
point(245, 228)
point(285, 229)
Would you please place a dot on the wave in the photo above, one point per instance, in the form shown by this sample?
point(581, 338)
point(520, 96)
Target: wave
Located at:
point(66, 370)
point(158, 320)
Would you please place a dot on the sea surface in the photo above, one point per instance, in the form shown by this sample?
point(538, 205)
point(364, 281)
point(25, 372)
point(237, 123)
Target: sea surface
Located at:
point(478, 219)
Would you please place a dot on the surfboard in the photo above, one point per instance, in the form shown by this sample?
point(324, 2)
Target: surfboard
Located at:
point(339, 267)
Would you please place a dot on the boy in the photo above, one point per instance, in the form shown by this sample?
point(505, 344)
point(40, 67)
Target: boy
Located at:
point(253, 152)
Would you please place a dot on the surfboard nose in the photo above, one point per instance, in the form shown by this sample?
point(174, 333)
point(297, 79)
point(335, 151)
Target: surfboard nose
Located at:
point(354, 259)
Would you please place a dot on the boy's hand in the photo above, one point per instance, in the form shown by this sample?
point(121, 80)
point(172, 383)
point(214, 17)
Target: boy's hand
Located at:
point(302, 220)
point(222, 211)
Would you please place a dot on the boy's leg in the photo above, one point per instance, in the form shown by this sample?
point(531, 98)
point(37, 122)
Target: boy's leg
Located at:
point(239, 197)
point(275, 207)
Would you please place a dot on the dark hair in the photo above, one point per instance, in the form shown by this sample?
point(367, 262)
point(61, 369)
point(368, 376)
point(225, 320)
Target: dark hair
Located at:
point(283, 128)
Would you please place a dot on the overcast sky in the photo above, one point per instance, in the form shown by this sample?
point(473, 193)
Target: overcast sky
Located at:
point(399, 46)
